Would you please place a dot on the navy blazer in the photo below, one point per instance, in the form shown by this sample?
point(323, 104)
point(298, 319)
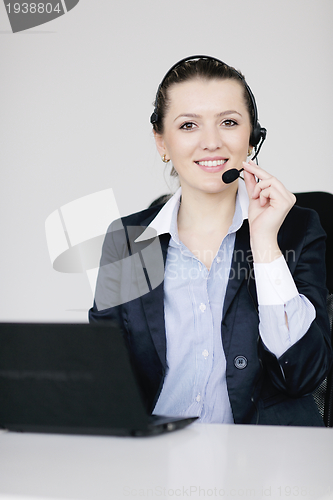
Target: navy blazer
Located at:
point(262, 389)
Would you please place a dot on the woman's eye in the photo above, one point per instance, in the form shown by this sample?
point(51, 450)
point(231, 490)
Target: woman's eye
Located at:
point(229, 123)
point(188, 126)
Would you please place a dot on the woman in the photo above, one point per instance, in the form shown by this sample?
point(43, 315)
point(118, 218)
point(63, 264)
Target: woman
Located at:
point(235, 329)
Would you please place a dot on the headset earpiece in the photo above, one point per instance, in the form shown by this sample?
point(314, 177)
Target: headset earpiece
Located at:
point(256, 135)
point(261, 132)
point(154, 117)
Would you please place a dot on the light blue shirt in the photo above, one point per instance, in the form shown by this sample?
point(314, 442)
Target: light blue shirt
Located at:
point(195, 383)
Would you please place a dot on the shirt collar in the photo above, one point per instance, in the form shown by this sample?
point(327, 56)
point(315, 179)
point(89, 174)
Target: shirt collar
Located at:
point(163, 222)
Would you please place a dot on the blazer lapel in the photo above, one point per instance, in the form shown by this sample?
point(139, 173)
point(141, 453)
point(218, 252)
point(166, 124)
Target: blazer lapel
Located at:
point(153, 305)
point(239, 266)
point(152, 279)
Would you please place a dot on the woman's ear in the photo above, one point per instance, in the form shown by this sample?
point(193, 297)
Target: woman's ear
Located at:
point(160, 143)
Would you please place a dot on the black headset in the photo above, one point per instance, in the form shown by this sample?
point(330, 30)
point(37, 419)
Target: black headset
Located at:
point(258, 134)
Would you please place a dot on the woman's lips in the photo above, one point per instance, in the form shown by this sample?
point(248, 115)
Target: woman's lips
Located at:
point(212, 165)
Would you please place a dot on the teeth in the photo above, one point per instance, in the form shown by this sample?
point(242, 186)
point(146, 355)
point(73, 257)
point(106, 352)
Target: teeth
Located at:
point(214, 163)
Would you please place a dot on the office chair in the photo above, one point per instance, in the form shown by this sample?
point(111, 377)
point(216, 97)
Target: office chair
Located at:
point(161, 200)
point(323, 204)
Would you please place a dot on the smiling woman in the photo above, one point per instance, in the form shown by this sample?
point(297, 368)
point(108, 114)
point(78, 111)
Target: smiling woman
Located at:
point(233, 328)
point(212, 138)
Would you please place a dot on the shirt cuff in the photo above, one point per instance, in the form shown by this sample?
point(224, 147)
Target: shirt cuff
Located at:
point(274, 332)
point(274, 282)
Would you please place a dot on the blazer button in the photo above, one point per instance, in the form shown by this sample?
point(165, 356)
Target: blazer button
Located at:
point(240, 362)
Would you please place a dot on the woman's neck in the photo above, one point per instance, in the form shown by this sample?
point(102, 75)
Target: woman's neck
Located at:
point(205, 212)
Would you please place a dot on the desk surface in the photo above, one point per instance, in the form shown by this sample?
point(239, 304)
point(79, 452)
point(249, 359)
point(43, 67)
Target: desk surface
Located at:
point(201, 461)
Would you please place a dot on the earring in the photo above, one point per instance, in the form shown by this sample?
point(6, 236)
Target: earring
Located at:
point(249, 151)
point(164, 159)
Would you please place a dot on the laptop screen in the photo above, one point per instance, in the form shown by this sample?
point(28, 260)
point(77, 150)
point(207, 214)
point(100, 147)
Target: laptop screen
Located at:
point(67, 378)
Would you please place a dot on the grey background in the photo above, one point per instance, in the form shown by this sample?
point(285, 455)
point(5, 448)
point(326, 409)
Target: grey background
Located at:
point(76, 96)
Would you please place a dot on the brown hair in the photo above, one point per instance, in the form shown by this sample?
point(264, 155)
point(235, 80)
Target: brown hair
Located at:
point(199, 68)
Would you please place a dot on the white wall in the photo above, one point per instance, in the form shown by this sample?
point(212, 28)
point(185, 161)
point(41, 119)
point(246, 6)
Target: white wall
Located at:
point(76, 97)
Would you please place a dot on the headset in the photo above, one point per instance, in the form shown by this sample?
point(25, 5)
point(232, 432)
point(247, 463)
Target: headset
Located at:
point(258, 134)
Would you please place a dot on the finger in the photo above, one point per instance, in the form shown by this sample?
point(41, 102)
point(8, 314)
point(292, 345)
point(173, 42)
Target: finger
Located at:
point(266, 180)
point(254, 169)
point(281, 196)
point(272, 196)
point(250, 183)
point(261, 174)
point(260, 186)
point(265, 196)
point(272, 181)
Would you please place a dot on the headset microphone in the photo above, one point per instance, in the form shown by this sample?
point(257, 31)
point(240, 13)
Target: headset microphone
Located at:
point(231, 175)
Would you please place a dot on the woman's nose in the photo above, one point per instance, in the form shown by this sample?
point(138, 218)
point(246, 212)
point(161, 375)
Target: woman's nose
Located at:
point(211, 139)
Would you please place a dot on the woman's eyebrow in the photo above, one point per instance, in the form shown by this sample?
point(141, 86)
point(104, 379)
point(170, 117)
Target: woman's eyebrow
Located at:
point(218, 115)
point(229, 112)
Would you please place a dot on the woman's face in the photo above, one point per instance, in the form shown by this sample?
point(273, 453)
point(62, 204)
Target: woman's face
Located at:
point(206, 132)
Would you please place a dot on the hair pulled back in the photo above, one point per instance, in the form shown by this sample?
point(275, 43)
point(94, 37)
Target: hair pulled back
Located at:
point(199, 68)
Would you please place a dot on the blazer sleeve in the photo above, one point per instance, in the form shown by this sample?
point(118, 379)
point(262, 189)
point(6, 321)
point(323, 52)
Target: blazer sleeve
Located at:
point(127, 269)
point(107, 302)
point(301, 369)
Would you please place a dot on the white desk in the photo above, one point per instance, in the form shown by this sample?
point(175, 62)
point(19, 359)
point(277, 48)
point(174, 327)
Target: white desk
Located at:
point(201, 461)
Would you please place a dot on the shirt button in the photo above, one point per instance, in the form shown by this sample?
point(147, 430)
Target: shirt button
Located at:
point(218, 260)
point(198, 398)
point(205, 353)
point(278, 282)
point(202, 307)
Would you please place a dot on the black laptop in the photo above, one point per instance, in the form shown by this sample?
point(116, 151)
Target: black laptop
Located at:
point(72, 379)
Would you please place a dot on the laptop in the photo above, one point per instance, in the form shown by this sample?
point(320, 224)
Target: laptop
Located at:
point(72, 379)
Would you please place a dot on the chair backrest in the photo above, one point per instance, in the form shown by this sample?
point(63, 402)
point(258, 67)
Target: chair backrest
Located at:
point(328, 407)
point(161, 200)
point(322, 203)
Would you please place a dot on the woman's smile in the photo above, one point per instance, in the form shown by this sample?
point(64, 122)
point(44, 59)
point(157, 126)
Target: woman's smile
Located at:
point(212, 165)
